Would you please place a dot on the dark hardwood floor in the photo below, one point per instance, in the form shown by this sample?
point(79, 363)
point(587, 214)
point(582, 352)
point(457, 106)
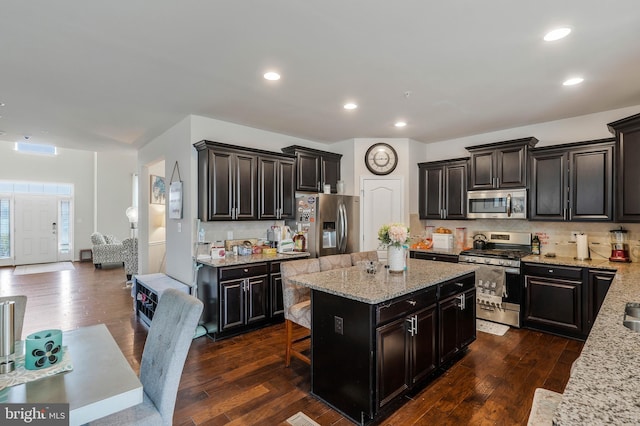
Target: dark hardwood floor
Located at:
point(243, 380)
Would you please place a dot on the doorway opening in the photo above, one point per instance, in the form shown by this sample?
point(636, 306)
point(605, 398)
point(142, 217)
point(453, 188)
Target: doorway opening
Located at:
point(36, 222)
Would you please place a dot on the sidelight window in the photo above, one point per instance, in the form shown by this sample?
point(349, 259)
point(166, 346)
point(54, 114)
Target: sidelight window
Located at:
point(5, 228)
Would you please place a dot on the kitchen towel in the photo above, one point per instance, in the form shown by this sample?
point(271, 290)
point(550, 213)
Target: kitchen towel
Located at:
point(582, 247)
point(490, 287)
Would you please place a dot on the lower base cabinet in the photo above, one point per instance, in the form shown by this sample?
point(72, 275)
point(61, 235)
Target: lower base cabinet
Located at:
point(240, 298)
point(379, 353)
point(554, 299)
point(599, 283)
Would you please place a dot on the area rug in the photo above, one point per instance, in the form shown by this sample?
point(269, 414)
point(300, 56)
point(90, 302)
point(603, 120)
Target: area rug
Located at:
point(491, 327)
point(301, 419)
point(43, 267)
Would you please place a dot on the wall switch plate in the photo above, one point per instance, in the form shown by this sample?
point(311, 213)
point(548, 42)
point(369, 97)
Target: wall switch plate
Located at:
point(338, 325)
point(179, 227)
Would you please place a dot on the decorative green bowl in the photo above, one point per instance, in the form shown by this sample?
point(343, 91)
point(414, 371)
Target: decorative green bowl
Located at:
point(43, 349)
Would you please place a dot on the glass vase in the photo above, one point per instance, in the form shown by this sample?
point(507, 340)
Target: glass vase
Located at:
point(395, 259)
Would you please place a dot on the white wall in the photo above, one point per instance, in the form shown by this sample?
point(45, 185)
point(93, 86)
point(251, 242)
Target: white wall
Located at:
point(113, 177)
point(576, 129)
point(96, 178)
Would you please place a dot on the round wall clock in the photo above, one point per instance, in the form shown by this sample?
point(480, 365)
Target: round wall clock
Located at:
point(381, 159)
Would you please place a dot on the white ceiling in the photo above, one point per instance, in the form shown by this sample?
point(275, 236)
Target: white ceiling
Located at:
point(99, 75)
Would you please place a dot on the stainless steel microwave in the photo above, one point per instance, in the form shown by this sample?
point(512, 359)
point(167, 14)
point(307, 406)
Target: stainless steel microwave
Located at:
point(497, 204)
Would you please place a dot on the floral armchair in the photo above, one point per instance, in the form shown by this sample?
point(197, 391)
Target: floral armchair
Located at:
point(106, 249)
point(130, 257)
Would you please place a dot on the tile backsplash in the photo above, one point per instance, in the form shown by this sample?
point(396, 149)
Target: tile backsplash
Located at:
point(554, 236)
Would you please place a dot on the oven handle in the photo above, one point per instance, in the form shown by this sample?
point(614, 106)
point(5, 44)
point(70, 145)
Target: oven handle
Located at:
point(508, 205)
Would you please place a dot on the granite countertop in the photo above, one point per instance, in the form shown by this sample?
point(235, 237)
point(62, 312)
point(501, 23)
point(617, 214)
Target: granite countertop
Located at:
point(604, 385)
point(354, 283)
point(231, 260)
point(596, 263)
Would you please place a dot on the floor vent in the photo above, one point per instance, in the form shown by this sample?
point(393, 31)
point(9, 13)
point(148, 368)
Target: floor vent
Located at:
point(301, 419)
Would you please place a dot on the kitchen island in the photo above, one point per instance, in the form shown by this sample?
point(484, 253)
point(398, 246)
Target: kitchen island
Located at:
point(377, 337)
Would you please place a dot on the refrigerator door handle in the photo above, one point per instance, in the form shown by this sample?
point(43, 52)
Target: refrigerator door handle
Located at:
point(344, 229)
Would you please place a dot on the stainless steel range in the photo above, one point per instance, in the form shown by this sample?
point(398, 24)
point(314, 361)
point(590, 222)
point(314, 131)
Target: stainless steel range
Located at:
point(499, 283)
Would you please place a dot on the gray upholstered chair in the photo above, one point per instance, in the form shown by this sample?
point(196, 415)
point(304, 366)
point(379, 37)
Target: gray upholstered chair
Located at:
point(106, 249)
point(130, 246)
point(369, 256)
point(297, 304)
point(335, 261)
point(172, 329)
point(19, 310)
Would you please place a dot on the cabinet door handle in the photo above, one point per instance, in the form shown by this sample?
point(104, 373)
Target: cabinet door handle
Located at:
point(411, 302)
point(460, 284)
point(415, 325)
point(410, 321)
point(551, 271)
point(462, 302)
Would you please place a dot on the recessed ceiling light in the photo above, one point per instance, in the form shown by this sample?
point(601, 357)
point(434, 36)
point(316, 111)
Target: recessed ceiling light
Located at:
point(350, 105)
point(271, 75)
point(400, 124)
point(573, 81)
point(1, 104)
point(2, 133)
point(557, 34)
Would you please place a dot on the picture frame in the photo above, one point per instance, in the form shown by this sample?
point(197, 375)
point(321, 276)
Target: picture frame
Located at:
point(157, 192)
point(175, 200)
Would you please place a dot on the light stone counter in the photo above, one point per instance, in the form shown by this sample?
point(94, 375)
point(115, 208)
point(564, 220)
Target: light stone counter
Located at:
point(605, 387)
point(232, 260)
point(354, 283)
point(451, 251)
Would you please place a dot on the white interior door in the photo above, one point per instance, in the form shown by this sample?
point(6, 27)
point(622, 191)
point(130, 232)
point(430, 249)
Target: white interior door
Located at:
point(36, 238)
point(382, 202)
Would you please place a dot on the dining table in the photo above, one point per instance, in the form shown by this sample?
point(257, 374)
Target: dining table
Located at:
point(101, 382)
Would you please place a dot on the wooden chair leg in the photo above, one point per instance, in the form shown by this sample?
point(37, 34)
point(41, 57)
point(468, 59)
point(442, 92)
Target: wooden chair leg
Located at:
point(287, 352)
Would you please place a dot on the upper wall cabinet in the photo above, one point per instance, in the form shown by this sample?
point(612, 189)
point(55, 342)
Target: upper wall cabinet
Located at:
point(226, 183)
point(572, 182)
point(500, 165)
point(627, 133)
point(442, 189)
point(244, 184)
point(276, 187)
point(315, 168)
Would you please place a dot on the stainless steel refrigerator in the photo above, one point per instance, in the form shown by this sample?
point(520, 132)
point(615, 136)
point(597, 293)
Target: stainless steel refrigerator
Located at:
point(331, 223)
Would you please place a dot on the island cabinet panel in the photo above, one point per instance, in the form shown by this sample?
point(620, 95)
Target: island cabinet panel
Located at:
point(598, 286)
point(366, 357)
point(457, 315)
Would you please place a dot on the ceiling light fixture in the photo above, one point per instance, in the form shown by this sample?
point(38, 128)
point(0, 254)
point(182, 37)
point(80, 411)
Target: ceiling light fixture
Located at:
point(2, 104)
point(350, 105)
point(272, 75)
point(400, 124)
point(557, 34)
point(573, 81)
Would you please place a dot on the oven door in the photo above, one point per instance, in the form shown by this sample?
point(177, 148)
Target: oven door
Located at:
point(510, 312)
point(498, 204)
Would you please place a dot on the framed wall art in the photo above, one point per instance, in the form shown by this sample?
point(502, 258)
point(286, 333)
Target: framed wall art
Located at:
point(157, 194)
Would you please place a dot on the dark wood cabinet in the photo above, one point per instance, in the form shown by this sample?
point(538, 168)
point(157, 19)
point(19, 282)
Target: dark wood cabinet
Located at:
point(439, 257)
point(598, 285)
point(315, 168)
point(243, 295)
point(554, 299)
point(457, 315)
point(276, 188)
point(573, 182)
point(500, 164)
point(385, 350)
point(226, 183)
point(275, 286)
point(442, 189)
point(406, 352)
point(627, 135)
